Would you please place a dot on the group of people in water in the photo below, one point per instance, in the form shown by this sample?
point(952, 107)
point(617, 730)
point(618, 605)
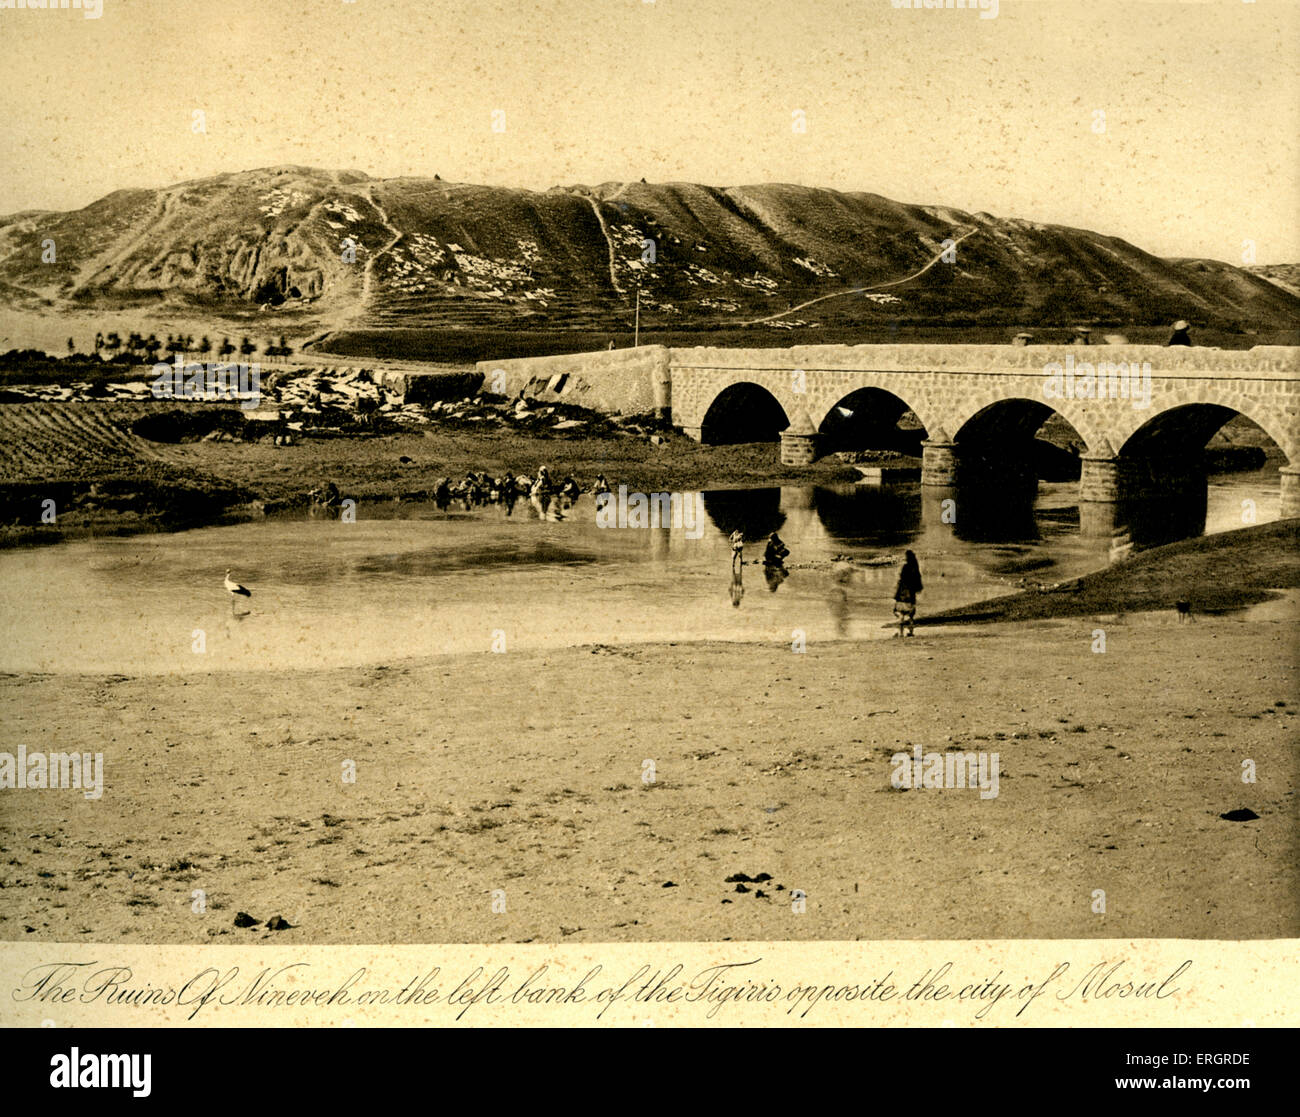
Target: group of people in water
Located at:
point(479, 489)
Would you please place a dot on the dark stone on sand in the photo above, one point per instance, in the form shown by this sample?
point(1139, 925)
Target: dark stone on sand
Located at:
point(278, 923)
point(741, 888)
point(735, 877)
point(762, 877)
point(1241, 814)
point(668, 884)
point(243, 919)
point(760, 895)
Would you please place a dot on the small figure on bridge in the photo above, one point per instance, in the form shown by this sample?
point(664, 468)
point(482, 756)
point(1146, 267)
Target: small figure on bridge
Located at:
point(1180, 335)
point(909, 585)
point(1082, 336)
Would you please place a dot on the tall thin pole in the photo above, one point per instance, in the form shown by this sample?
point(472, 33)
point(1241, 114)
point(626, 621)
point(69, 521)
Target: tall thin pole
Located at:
point(636, 330)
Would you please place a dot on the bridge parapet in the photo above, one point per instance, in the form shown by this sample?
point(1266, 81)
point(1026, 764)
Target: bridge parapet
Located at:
point(1263, 361)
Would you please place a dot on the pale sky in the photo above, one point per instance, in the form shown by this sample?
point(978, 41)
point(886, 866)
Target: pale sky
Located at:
point(1201, 148)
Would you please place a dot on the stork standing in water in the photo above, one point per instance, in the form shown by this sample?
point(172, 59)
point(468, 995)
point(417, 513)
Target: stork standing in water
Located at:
point(235, 590)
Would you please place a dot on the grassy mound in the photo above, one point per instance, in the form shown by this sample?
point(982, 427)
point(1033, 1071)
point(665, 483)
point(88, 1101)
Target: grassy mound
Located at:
point(1214, 573)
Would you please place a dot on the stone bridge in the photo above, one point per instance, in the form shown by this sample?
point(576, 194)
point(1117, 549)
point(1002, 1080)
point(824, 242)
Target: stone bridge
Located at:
point(1137, 410)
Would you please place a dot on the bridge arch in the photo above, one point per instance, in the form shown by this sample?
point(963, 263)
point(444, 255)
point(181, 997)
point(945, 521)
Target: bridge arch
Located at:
point(1000, 442)
point(982, 414)
point(1189, 425)
point(743, 411)
point(868, 417)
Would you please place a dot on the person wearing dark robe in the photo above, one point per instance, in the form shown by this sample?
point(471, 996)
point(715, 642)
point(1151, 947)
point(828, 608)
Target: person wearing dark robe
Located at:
point(1180, 336)
point(905, 593)
point(776, 551)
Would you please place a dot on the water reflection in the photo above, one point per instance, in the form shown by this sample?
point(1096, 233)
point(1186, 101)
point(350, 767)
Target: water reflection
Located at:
point(755, 512)
point(411, 579)
point(1155, 520)
point(885, 514)
point(737, 584)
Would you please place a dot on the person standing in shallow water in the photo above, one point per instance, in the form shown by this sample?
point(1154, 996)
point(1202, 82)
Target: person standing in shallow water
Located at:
point(909, 585)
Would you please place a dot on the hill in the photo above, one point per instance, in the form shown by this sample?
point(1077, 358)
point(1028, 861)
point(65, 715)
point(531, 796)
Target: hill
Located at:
point(329, 248)
point(1286, 276)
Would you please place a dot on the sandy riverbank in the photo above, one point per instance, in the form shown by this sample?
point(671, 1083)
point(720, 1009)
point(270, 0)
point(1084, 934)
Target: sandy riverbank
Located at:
point(524, 774)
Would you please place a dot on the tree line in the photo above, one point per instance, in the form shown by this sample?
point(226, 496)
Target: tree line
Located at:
point(136, 346)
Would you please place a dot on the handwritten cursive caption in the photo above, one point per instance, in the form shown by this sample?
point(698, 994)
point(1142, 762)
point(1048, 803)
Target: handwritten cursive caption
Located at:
point(713, 990)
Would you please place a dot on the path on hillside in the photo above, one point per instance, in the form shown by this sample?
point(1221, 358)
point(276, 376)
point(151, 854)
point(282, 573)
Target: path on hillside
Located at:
point(600, 218)
point(862, 290)
point(367, 275)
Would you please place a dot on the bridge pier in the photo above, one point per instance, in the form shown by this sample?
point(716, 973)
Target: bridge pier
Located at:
point(799, 441)
point(1099, 479)
point(696, 434)
point(1290, 492)
point(939, 463)
point(1100, 491)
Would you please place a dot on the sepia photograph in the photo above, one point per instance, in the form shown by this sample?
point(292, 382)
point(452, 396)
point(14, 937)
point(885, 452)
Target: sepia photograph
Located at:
point(629, 472)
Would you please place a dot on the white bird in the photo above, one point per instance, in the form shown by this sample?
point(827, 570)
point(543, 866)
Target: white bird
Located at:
point(235, 588)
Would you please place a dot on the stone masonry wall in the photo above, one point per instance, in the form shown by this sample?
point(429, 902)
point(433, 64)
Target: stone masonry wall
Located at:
point(945, 385)
point(615, 381)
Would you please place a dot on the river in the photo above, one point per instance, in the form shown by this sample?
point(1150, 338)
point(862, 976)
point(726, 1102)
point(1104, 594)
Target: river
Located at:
point(408, 580)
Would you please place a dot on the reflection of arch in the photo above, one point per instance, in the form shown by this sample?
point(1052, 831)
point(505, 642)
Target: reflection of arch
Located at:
point(867, 418)
point(1184, 430)
point(756, 512)
point(856, 513)
point(743, 412)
